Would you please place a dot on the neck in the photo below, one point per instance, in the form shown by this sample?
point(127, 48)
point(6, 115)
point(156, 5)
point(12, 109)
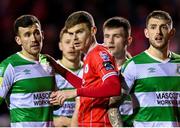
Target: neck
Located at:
point(72, 65)
point(160, 54)
point(29, 56)
point(120, 61)
point(92, 44)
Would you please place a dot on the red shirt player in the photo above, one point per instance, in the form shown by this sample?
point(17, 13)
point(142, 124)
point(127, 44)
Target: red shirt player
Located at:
point(98, 65)
point(100, 79)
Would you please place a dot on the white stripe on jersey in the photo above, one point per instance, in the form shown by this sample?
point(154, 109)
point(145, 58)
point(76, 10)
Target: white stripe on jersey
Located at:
point(7, 81)
point(108, 75)
point(148, 71)
point(156, 124)
point(156, 70)
point(158, 99)
point(29, 100)
point(32, 124)
point(32, 71)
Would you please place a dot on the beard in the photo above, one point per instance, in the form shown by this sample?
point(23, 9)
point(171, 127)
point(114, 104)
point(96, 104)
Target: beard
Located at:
point(158, 45)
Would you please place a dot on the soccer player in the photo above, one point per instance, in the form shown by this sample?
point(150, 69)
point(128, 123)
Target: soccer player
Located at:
point(71, 59)
point(153, 76)
point(26, 79)
point(100, 78)
point(117, 37)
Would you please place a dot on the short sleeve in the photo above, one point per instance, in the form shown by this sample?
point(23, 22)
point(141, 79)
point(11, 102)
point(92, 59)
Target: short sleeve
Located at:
point(6, 79)
point(129, 73)
point(105, 64)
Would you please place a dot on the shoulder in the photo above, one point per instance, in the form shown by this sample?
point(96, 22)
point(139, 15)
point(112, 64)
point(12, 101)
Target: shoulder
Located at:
point(131, 63)
point(101, 48)
point(10, 60)
point(140, 58)
point(102, 51)
point(43, 58)
point(175, 57)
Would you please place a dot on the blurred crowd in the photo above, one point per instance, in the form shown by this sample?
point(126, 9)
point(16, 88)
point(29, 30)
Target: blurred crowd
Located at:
point(53, 13)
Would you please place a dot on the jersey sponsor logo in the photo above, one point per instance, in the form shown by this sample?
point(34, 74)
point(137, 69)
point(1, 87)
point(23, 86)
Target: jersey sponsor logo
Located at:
point(151, 70)
point(86, 68)
point(68, 108)
point(108, 65)
point(27, 71)
point(41, 98)
point(168, 98)
point(104, 56)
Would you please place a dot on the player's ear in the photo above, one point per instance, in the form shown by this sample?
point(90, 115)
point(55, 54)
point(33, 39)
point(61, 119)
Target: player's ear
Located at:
point(18, 40)
point(146, 33)
point(42, 35)
point(93, 30)
point(60, 45)
point(172, 32)
point(129, 40)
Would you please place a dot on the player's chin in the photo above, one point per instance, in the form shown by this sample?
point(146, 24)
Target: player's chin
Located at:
point(35, 52)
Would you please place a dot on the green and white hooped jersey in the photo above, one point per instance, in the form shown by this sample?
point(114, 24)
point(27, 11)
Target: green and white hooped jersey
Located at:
point(155, 88)
point(69, 105)
point(26, 85)
point(126, 106)
point(126, 111)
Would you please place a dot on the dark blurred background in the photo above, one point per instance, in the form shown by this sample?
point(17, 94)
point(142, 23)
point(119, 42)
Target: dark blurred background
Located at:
point(53, 13)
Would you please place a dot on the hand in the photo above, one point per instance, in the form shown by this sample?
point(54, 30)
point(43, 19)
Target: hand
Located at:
point(53, 98)
point(59, 97)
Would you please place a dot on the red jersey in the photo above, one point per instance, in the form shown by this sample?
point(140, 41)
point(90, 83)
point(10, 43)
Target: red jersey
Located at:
point(98, 65)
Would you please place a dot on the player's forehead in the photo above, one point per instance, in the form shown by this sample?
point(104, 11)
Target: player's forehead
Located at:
point(117, 30)
point(156, 21)
point(75, 28)
point(66, 36)
point(29, 28)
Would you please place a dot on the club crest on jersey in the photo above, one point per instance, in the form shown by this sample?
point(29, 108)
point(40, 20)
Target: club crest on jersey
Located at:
point(178, 69)
point(108, 65)
point(104, 56)
point(86, 68)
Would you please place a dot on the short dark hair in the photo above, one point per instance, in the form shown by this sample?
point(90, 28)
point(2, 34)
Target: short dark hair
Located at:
point(117, 22)
point(78, 18)
point(25, 21)
point(62, 32)
point(159, 14)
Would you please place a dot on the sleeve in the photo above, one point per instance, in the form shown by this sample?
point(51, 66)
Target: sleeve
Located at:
point(105, 68)
point(67, 74)
point(110, 87)
point(129, 75)
point(6, 80)
point(105, 65)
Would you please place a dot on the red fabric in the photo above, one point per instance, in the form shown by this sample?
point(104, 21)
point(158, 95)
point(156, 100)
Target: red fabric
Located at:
point(110, 87)
point(73, 79)
point(97, 83)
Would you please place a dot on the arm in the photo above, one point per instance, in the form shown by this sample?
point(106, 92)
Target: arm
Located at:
point(113, 112)
point(6, 80)
point(68, 75)
point(110, 87)
point(62, 121)
point(74, 121)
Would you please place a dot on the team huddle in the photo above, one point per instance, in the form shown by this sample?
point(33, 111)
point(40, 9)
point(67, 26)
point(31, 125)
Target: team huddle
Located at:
point(91, 84)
